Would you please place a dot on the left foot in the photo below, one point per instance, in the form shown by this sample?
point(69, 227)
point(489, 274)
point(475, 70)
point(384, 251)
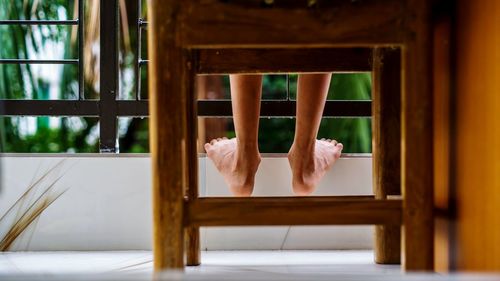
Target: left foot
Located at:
point(237, 165)
point(310, 164)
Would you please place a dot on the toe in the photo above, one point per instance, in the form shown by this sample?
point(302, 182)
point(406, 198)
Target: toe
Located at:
point(212, 142)
point(224, 138)
point(334, 142)
point(338, 151)
point(207, 147)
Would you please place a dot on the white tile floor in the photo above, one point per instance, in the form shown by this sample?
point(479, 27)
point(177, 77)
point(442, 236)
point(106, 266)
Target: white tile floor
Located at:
point(212, 261)
point(217, 265)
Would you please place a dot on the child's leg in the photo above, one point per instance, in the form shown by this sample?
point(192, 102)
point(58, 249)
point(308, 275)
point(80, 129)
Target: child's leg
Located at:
point(310, 158)
point(238, 159)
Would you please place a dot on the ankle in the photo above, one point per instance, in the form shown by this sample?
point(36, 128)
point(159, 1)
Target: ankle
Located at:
point(301, 159)
point(304, 148)
point(247, 158)
point(301, 150)
point(248, 148)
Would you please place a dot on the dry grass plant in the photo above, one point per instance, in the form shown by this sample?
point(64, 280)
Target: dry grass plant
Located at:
point(43, 190)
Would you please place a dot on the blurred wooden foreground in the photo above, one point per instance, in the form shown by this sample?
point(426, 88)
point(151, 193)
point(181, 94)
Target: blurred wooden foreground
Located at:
point(467, 137)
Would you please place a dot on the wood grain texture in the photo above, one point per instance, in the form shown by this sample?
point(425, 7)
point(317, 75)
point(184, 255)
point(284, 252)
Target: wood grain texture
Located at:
point(178, 27)
point(386, 152)
point(193, 250)
point(386, 122)
point(292, 211)
point(193, 254)
point(218, 24)
point(477, 126)
point(209, 87)
point(442, 156)
point(417, 153)
point(168, 135)
point(224, 61)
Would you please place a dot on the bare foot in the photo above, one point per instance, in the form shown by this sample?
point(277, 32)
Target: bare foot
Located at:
point(237, 166)
point(309, 165)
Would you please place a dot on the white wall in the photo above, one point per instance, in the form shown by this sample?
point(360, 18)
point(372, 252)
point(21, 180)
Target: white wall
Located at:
point(107, 205)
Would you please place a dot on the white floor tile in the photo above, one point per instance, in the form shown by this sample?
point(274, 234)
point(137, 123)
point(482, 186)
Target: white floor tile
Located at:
point(216, 265)
point(245, 238)
point(212, 261)
point(329, 238)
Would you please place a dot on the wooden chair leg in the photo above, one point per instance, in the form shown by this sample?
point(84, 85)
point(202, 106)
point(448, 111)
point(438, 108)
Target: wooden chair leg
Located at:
point(193, 246)
point(386, 124)
point(168, 131)
point(192, 233)
point(417, 143)
point(388, 244)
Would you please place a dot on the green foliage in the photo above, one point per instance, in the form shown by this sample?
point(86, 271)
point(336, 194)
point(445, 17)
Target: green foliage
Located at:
point(276, 134)
point(19, 41)
point(136, 138)
point(19, 82)
point(353, 133)
point(50, 140)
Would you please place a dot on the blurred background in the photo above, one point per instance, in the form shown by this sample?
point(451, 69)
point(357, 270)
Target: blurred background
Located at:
point(81, 134)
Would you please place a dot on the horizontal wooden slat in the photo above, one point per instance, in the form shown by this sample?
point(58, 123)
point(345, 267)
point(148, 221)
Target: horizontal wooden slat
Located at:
point(218, 24)
point(292, 211)
point(224, 61)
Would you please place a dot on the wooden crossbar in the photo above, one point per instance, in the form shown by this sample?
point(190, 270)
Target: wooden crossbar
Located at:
point(279, 60)
point(218, 24)
point(344, 210)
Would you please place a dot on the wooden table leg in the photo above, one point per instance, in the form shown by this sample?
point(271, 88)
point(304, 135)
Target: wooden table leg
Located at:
point(168, 132)
point(417, 144)
point(386, 130)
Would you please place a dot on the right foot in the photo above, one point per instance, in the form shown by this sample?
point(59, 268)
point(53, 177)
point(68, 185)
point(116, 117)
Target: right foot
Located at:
point(309, 165)
point(237, 166)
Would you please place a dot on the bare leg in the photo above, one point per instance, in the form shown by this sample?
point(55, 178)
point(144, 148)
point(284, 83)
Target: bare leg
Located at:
point(310, 158)
point(238, 159)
